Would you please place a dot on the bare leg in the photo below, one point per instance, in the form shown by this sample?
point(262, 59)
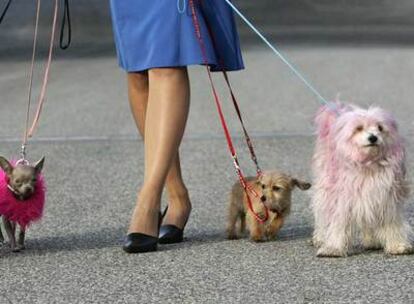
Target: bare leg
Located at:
point(165, 120)
point(179, 201)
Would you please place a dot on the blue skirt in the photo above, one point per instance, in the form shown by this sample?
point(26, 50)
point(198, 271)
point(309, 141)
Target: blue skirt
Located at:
point(160, 33)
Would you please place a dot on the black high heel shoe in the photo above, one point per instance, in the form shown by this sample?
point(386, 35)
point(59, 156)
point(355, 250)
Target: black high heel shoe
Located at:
point(171, 234)
point(136, 242)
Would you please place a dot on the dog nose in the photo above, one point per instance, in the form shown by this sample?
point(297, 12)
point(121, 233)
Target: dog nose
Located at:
point(263, 198)
point(372, 139)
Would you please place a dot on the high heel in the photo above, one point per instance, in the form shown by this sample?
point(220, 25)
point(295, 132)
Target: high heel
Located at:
point(136, 242)
point(171, 234)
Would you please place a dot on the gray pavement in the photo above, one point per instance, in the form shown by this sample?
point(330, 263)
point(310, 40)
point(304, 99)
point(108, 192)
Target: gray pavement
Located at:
point(94, 164)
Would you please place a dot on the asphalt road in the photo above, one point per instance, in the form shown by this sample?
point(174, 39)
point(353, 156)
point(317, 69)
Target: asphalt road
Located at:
point(94, 164)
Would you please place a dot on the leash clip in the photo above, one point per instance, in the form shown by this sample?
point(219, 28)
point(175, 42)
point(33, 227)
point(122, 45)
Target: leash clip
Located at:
point(236, 162)
point(23, 160)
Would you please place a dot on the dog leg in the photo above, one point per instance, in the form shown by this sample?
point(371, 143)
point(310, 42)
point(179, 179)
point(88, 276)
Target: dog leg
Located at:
point(10, 230)
point(232, 220)
point(275, 226)
point(319, 226)
point(370, 240)
point(397, 238)
point(20, 241)
point(336, 244)
point(256, 231)
point(1, 236)
point(317, 238)
point(242, 223)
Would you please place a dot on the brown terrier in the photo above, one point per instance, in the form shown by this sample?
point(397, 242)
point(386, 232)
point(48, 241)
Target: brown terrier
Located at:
point(274, 191)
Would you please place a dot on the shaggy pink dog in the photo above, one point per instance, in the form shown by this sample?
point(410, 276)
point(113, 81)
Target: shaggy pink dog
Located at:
point(360, 184)
point(22, 212)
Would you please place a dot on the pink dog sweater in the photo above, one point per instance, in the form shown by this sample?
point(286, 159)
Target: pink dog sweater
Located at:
point(22, 212)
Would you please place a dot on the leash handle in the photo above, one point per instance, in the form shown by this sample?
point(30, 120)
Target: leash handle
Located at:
point(65, 20)
point(230, 144)
point(6, 8)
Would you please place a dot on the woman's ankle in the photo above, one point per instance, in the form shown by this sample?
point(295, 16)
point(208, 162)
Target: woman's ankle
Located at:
point(177, 191)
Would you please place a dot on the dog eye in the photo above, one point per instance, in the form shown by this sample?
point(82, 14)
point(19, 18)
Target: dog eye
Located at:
point(380, 128)
point(263, 186)
point(276, 188)
point(359, 128)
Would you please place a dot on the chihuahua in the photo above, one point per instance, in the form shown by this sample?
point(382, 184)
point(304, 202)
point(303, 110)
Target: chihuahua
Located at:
point(22, 180)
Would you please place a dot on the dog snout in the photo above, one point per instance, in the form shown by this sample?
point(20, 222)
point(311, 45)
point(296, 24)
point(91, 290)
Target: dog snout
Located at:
point(263, 198)
point(372, 139)
point(27, 189)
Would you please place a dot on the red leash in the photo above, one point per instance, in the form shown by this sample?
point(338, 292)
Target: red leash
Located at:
point(230, 144)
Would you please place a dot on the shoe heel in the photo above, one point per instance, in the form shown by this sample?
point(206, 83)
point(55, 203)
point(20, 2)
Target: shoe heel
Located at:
point(139, 242)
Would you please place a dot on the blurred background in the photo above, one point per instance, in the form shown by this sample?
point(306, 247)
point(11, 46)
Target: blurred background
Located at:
point(360, 49)
point(298, 21)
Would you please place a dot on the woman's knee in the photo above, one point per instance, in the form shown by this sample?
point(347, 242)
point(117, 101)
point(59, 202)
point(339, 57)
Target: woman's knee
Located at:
point(138, 80)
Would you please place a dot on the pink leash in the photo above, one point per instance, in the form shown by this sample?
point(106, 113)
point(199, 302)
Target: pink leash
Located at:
point(28, 133)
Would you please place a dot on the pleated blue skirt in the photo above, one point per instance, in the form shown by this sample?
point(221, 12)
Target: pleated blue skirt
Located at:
point(160, 33)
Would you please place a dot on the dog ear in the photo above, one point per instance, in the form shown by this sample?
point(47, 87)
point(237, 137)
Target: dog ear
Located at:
point(300, 184)
point(6, 166)
point(39, 165)
point(259, 179)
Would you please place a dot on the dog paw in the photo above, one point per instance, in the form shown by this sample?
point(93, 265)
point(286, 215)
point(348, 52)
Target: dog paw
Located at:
point(398, 249)
point(21, 247)
point(372, 246)
point(257, 238)
point(316, 242)
point(327, 252)
point(232, 236)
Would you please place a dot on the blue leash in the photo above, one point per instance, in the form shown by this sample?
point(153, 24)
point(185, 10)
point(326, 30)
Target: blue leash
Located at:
point(280, 55)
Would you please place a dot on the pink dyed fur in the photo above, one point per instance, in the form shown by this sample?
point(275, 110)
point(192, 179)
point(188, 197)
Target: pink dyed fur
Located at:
point(355, 191)
point(22, 212)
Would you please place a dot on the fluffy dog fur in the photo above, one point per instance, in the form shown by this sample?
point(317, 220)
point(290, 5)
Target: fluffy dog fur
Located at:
point(24, 202)
point(360, 182)
point(274, 191)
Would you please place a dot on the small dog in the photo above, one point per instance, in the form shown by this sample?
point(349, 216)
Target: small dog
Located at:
point(360, 182)
point(274, 191)
point(20, 203)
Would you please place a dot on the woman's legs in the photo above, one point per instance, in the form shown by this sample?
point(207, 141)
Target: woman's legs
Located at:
point(159, 101)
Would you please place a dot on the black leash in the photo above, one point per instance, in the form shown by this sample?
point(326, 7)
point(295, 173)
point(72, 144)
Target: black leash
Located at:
point(65, 20)
point(6, 8)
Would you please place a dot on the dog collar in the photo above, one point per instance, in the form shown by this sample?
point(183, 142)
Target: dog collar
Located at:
point(16, 194)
